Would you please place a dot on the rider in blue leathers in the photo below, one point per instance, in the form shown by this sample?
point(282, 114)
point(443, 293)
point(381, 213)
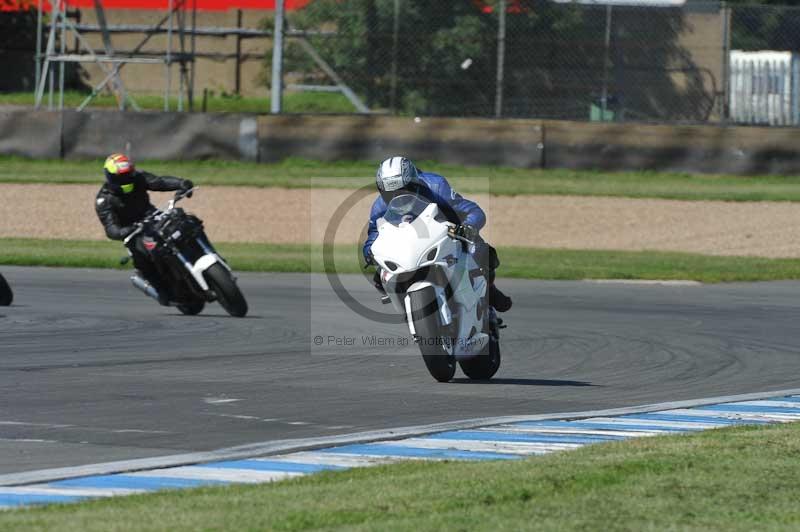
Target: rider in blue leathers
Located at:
point(398, 175)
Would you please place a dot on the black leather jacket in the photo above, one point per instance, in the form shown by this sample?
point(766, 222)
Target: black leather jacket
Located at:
point(118, 212)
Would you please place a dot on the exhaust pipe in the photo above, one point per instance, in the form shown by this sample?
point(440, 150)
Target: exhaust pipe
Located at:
point(146, 287)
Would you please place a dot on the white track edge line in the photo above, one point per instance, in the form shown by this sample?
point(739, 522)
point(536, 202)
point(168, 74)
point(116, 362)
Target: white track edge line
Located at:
point(274, 447)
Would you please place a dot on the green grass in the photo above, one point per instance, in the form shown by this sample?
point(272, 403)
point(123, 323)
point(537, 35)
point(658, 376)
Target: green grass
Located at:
point(522, 263)
point(293, 102)
point(300, 173)
point(107, 254)
point(527, 263)
point(728, 479)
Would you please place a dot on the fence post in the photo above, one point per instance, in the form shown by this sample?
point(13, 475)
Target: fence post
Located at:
point(276, 95)
point(61, 69)
point(724, 113)
point(238, 80)
point(168, 60)
point(501, 57)
point(190, 91)
point(795, 86)
point(606, 66)
point(395, 38)
point(38, 45)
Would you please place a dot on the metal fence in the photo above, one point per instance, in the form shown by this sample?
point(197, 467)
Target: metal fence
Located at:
point(556, 59)
point(592, 60)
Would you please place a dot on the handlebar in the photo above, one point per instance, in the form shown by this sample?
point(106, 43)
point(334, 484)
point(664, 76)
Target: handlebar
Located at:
point(135, 232)
point(179, 195)
point(452, 234)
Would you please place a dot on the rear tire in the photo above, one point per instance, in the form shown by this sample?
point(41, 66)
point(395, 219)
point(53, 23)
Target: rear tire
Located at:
point(441, 364)
point(192, 309)
point(483, 366)
point(6, 295)
point(219, 279)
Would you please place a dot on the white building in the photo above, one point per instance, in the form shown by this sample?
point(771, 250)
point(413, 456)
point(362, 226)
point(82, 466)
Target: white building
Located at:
point(764, 88)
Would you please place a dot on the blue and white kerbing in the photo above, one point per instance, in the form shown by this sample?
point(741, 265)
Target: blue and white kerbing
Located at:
point(506, 441)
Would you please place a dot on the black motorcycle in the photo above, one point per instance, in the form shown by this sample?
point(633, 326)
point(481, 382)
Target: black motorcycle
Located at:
point(191, 270)
point(6, 295)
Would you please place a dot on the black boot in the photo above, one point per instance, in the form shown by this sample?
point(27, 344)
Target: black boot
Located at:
point(376, 282)
point(500, 301)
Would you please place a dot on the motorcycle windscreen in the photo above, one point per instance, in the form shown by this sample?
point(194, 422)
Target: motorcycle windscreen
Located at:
point(405, 209)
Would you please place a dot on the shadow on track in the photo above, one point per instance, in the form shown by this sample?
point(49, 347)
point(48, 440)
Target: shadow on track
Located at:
point(248, 317)
point(525, 382)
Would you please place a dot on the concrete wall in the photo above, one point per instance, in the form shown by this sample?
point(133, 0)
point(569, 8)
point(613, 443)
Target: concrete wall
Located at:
point(515, 143)
point(457, 141)
point(704, 149)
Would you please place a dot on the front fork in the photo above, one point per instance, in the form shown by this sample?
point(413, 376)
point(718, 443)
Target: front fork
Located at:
point(209, 258)
point(445, 314)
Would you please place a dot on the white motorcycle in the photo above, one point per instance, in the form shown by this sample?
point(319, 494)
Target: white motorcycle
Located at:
point(436, 284)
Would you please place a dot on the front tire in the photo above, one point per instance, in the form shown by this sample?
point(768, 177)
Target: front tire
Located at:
point(6, 295)
point(219, 279)
point(440, 363)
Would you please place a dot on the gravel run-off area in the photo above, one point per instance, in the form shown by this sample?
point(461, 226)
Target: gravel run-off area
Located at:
point(243, 214)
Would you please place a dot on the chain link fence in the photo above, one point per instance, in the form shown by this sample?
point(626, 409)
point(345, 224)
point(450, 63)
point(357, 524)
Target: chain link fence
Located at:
point(17, 47)
point(706, 62)
point(697, 62)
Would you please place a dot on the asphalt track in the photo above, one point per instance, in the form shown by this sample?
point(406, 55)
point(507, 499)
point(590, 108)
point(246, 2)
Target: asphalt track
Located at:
point(93, 371)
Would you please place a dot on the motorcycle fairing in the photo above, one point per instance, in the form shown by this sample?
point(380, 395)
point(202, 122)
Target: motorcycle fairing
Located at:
point(408, 247)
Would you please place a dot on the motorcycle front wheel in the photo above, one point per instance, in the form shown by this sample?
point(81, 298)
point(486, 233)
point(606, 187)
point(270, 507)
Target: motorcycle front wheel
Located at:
point(221, 281)
point(440, 363)
point(6, 295)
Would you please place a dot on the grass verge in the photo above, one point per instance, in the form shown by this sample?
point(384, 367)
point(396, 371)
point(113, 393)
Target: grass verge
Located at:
point(741, 478)
point(293, 102)
point(522, 263)
point(300, 173)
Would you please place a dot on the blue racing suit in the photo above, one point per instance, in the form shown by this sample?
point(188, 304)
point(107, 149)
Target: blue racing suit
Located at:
point(436, 189)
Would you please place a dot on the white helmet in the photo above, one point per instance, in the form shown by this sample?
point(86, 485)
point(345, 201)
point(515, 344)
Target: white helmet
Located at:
point(395, 173)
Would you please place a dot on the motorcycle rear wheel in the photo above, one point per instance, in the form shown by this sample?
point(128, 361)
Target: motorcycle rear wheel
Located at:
point(483, 366)
point(441, 364)
point(192, 309)
point(228, 294)
point(6, 295)
point(486, 364)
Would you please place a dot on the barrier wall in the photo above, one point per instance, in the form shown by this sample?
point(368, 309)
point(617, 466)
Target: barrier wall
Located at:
point(514, 143)
point(704, 149)
point(30, 134)
point(457, 141)
point(159, 135)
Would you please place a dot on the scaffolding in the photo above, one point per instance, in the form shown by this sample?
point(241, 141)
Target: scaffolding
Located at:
point(179, 15)
point(181, 19)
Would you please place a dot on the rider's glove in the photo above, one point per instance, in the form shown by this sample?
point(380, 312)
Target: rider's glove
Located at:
point(126, 231)
point(467, 231)
point(187, 186)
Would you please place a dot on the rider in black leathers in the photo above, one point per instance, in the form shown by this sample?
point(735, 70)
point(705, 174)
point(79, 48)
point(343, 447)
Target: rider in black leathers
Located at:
point(123, 201)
